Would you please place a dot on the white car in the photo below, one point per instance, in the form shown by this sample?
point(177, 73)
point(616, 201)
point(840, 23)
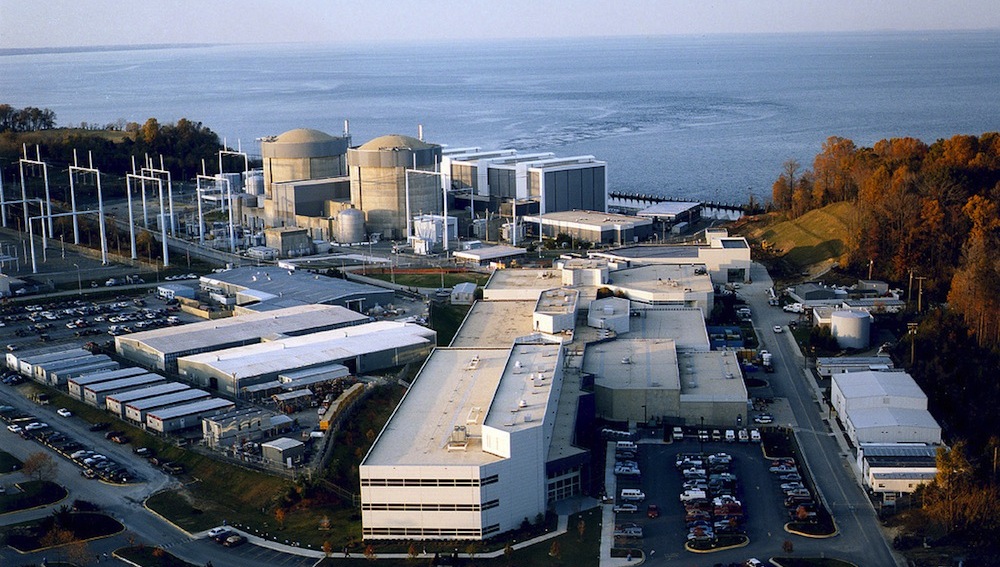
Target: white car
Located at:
point(778, 329)
point(14, 428)
point(35, 425)
point(626, 508)
point(64, 412)
point(216, 531)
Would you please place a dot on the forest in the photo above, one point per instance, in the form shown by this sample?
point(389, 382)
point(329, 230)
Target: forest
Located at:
point(927, 211)
point(183, 145)
point(930, 212)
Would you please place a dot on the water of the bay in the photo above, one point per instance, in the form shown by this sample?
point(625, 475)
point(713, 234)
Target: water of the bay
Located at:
point(709, 118)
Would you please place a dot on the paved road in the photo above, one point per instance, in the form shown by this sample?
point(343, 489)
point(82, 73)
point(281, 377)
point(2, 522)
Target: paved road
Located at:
point(861, 536)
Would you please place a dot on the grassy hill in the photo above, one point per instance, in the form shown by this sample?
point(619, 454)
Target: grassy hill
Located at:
point(811, 243)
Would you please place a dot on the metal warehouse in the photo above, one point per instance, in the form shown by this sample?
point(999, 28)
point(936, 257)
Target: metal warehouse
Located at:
point(160, 348)
point(361, 348)
point(41, 371)
point(594, 227)
point(251, 288)
point(77, 384)
point(185, 416)
point(95, 394)
point(136, 411)
point(115, 403)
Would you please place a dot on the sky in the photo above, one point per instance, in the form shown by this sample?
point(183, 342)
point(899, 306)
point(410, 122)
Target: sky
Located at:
point(75, 23)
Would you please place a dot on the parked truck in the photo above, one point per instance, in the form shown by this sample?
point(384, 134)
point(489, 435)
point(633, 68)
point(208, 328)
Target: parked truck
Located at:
point(766, 361)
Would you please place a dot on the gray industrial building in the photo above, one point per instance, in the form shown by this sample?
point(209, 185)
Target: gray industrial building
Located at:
point(76, 385)
point(115, 403)
point(240, 426)
point(283, 450)
point(303, 153)
point(256, 288)
point(94, 394)
point(40, 369)
point(185, 416)
point(160, 348)
point(593, 227)
point(24, 362)
point(136, 410)
point(361, 348)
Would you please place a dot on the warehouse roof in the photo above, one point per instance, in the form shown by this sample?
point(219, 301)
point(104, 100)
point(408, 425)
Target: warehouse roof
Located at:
point(265, 282)
point(107, 375)
point(865, 418)
point(868, 383)
point(166, 399)
point(487, 253)
point(188, 409)
point(124, 383)
point(200, 336)
point(150, 392)
point(589, 219)
point(664, 279)
point(312, 349)
point(668, 209)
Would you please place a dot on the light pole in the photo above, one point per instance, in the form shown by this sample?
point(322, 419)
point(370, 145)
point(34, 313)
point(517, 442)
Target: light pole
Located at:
point(79, 280)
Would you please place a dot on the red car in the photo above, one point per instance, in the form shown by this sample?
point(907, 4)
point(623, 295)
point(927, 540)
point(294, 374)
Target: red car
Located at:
point(653, 511)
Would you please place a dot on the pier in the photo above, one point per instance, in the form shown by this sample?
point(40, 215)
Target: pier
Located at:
point(631, 203)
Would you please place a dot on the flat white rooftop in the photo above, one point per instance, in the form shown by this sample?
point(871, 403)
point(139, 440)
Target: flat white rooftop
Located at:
point(488, 253)
point(634, 364)
point(867, 384)
point(525, 278)
point(494, 324)
point(711, 377)
point(189, 409)
point(665, 279)
point(588, 219)
point(312, 349)
point(200, 336)
point(685, 325)
point(468, 387)
point(557, 301)
point(668, 209)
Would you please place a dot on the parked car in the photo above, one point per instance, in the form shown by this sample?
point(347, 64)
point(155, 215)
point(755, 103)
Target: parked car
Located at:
point(625, 508)
point(778, 329)
point(234, 540)
point(763, 418)
point(64, 412)
point(652, 511)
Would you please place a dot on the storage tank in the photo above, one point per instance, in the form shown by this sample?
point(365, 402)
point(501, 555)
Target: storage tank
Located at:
point(379, 180)
point(255, 183)
point(851, 328)
point(235, 183)
point(350, 226)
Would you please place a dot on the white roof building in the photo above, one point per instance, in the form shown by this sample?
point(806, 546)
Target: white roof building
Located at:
point(462, 456)
point(869, 389)
point(892, 425)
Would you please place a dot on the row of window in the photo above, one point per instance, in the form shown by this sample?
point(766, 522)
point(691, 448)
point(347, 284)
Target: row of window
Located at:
point(429, 481)
point(432, 532)
point(417, 507)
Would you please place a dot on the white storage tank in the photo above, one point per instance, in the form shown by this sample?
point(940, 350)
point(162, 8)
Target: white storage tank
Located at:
point(350, 226)
point(235, 182)
point(852, 329)
point(255, 182)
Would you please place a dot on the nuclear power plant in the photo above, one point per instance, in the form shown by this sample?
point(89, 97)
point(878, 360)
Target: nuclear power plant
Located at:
point(339, 193)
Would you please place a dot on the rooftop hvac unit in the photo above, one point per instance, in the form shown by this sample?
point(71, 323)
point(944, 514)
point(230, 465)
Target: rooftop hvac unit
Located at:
point(522, 404)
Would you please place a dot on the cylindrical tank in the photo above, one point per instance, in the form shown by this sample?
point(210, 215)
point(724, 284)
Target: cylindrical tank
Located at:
point(350, 226)
point(255, 183)
point(851, 328)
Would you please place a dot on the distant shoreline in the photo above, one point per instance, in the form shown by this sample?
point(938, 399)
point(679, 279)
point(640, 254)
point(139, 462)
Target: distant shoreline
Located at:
point(101, 48)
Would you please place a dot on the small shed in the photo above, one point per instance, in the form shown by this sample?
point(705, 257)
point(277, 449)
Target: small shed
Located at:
point(463, 293)
point(170, 291)
point(283, 450)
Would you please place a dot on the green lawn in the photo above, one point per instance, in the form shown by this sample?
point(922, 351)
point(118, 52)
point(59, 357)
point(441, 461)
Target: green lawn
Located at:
point(32, 493)
point(8, 463)
point(816, 237)
point(432, 280)
point(446, 319)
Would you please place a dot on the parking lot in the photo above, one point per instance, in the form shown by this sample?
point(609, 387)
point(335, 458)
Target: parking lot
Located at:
point(762, 501)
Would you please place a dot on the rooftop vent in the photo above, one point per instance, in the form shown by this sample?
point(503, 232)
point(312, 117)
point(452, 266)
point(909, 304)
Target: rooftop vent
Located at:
point(627, 360)
point(522, 404)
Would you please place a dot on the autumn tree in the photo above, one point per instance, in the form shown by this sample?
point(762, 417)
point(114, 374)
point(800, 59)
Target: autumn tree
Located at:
point(370, 553)
point(975, 287)
point(40, 466)
point(279, 516)
point(327, 548)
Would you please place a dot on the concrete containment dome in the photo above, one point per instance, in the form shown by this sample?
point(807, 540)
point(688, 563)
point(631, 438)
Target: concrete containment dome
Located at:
point(303, 143)
point(379, 181)
point(852, 329)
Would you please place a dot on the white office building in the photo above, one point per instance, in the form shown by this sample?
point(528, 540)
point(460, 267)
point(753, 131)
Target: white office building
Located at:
point(461, 457)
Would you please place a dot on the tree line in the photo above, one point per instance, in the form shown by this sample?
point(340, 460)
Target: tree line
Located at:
point(919, 210)
point(25, 119)
point(183, 145)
